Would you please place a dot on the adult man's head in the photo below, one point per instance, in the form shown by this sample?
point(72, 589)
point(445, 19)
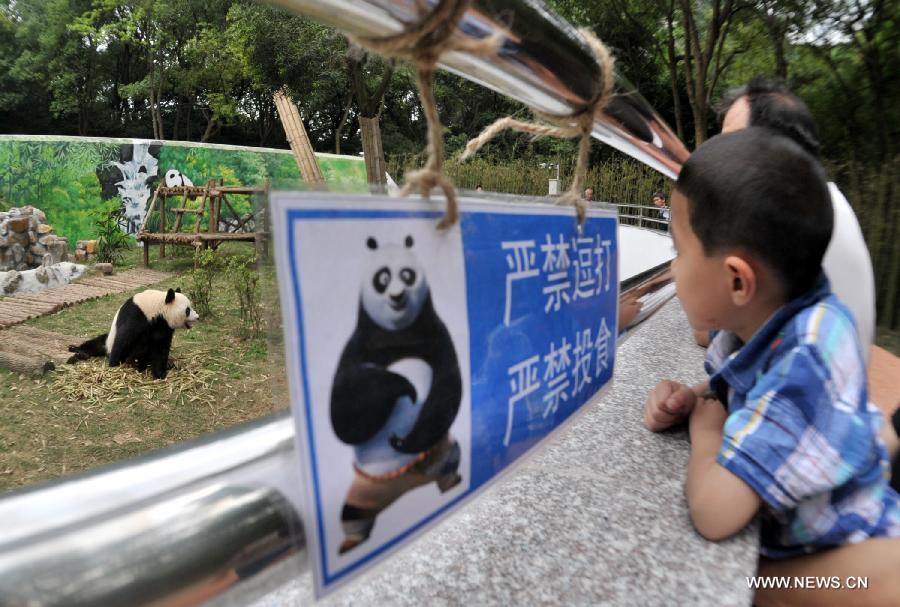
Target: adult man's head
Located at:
point(589, 194)
point(770, 104)
point(659, 199)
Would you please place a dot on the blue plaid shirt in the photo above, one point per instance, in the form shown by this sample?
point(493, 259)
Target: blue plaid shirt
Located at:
point(800, 430)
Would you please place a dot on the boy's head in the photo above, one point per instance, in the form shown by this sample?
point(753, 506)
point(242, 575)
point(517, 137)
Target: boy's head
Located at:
point(659, 199)
point(752, 218)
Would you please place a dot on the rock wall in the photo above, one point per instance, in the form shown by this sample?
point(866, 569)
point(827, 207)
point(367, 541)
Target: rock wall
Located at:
point(27, 240)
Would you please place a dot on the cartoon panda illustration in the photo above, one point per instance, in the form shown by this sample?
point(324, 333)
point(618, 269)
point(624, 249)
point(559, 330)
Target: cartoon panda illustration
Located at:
point(175, 178)
point(400, 434)
point(141, 331)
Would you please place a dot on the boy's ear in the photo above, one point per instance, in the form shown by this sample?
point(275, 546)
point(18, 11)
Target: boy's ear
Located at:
point(743, 279)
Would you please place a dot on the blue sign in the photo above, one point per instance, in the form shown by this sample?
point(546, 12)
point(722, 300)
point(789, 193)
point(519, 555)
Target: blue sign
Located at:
point(423, 363)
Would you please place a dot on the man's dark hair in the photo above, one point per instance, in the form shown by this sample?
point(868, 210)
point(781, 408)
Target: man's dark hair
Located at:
point(658, 195)
point(773, 105)
point(763, 194)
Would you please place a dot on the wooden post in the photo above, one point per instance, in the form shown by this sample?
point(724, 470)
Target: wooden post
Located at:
point(162, 227)
point(299, 141)
point(373, 152)
point(146, 244)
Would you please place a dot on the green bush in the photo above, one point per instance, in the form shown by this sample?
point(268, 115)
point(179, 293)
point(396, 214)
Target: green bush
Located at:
point(207, 264)
point(243, 282)
point(112, 242)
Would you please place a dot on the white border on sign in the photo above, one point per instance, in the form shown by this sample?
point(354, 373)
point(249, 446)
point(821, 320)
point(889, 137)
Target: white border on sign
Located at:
point(283, 202)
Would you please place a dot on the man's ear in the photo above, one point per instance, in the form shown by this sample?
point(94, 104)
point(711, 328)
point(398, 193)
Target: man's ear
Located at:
point(743, 279)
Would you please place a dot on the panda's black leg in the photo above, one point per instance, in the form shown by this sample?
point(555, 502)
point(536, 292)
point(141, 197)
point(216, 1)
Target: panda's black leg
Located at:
point(448, 475)
point(159, 370)
point(119, 354)
point(357, 524)
point(160, 358)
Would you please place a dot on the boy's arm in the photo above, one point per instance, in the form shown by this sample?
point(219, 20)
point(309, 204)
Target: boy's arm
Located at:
point(670, 402)
point(720, 503)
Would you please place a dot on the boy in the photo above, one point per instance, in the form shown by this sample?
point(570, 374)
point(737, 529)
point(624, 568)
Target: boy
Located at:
point(751, 219)
point(659, 201)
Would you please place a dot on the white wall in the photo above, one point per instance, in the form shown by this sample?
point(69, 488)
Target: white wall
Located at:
point(641, 249)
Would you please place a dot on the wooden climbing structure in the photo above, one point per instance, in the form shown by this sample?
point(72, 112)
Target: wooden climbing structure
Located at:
point(207, 201)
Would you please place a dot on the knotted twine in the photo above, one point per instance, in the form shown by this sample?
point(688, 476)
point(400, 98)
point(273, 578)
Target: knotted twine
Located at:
point(423, 42)
point(577, 124)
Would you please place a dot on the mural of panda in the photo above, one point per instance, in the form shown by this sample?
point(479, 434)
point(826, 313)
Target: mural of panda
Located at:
point(400, 435)
point(142, 330)
point(175, 178)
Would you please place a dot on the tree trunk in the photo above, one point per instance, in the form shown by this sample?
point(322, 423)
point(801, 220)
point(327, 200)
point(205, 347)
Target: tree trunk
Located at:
point(177, 118)
point(373, 152)
point(339, 130)
point(700, 56)
point(673, 71)
point(212, 127)
point(777, 30)
point(152, 102)
point(370, 103)
point(781, 67)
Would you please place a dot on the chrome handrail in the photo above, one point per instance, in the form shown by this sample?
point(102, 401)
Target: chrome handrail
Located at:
point(543, 62)
point(660, 225)
point(156, 527)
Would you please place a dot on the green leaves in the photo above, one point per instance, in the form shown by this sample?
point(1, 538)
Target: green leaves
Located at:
point(112, 242)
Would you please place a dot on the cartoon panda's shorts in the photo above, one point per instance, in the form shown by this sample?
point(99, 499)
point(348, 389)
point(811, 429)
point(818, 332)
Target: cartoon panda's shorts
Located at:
point(368, 495)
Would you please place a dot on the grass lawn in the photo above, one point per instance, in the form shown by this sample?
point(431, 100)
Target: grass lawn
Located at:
point(83, 415)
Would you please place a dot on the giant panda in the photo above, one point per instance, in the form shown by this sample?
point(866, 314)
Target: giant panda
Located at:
point(396, 391)
point(141, 331)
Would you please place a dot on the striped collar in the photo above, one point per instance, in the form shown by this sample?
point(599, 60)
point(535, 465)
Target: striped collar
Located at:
point(736, 364)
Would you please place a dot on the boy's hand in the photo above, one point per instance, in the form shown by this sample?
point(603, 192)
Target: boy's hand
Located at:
point(709, 415)
point(668, 404)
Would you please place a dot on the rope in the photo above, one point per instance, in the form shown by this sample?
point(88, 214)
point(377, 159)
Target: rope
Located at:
point(562, 126)
point(423, 42)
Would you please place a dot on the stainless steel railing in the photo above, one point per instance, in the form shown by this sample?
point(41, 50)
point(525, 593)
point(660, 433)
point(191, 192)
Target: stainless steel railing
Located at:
point(642, 216)
point(197, 518)
point(543, 63)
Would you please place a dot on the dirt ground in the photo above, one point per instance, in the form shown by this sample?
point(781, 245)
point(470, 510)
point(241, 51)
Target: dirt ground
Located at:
point(81, 416)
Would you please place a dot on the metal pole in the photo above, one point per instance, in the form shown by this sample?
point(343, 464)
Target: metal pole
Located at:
point(543, 63)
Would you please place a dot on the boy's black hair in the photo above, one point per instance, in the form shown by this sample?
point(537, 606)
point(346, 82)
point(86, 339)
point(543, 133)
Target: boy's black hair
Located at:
point(658, 195)
point(759, 192)
point(773, 105)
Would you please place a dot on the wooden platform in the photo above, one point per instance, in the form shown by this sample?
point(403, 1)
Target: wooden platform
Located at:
point(194, 237)
point(35, 351)
point(19, 308)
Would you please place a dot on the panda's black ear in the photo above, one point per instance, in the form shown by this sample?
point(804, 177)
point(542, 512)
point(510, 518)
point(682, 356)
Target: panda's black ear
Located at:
point(409, 242)
point(178, 290)
point(170, 296)
point(372, 243)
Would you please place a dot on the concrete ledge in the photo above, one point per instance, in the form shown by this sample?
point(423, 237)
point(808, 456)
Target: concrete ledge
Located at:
point(598, 517)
